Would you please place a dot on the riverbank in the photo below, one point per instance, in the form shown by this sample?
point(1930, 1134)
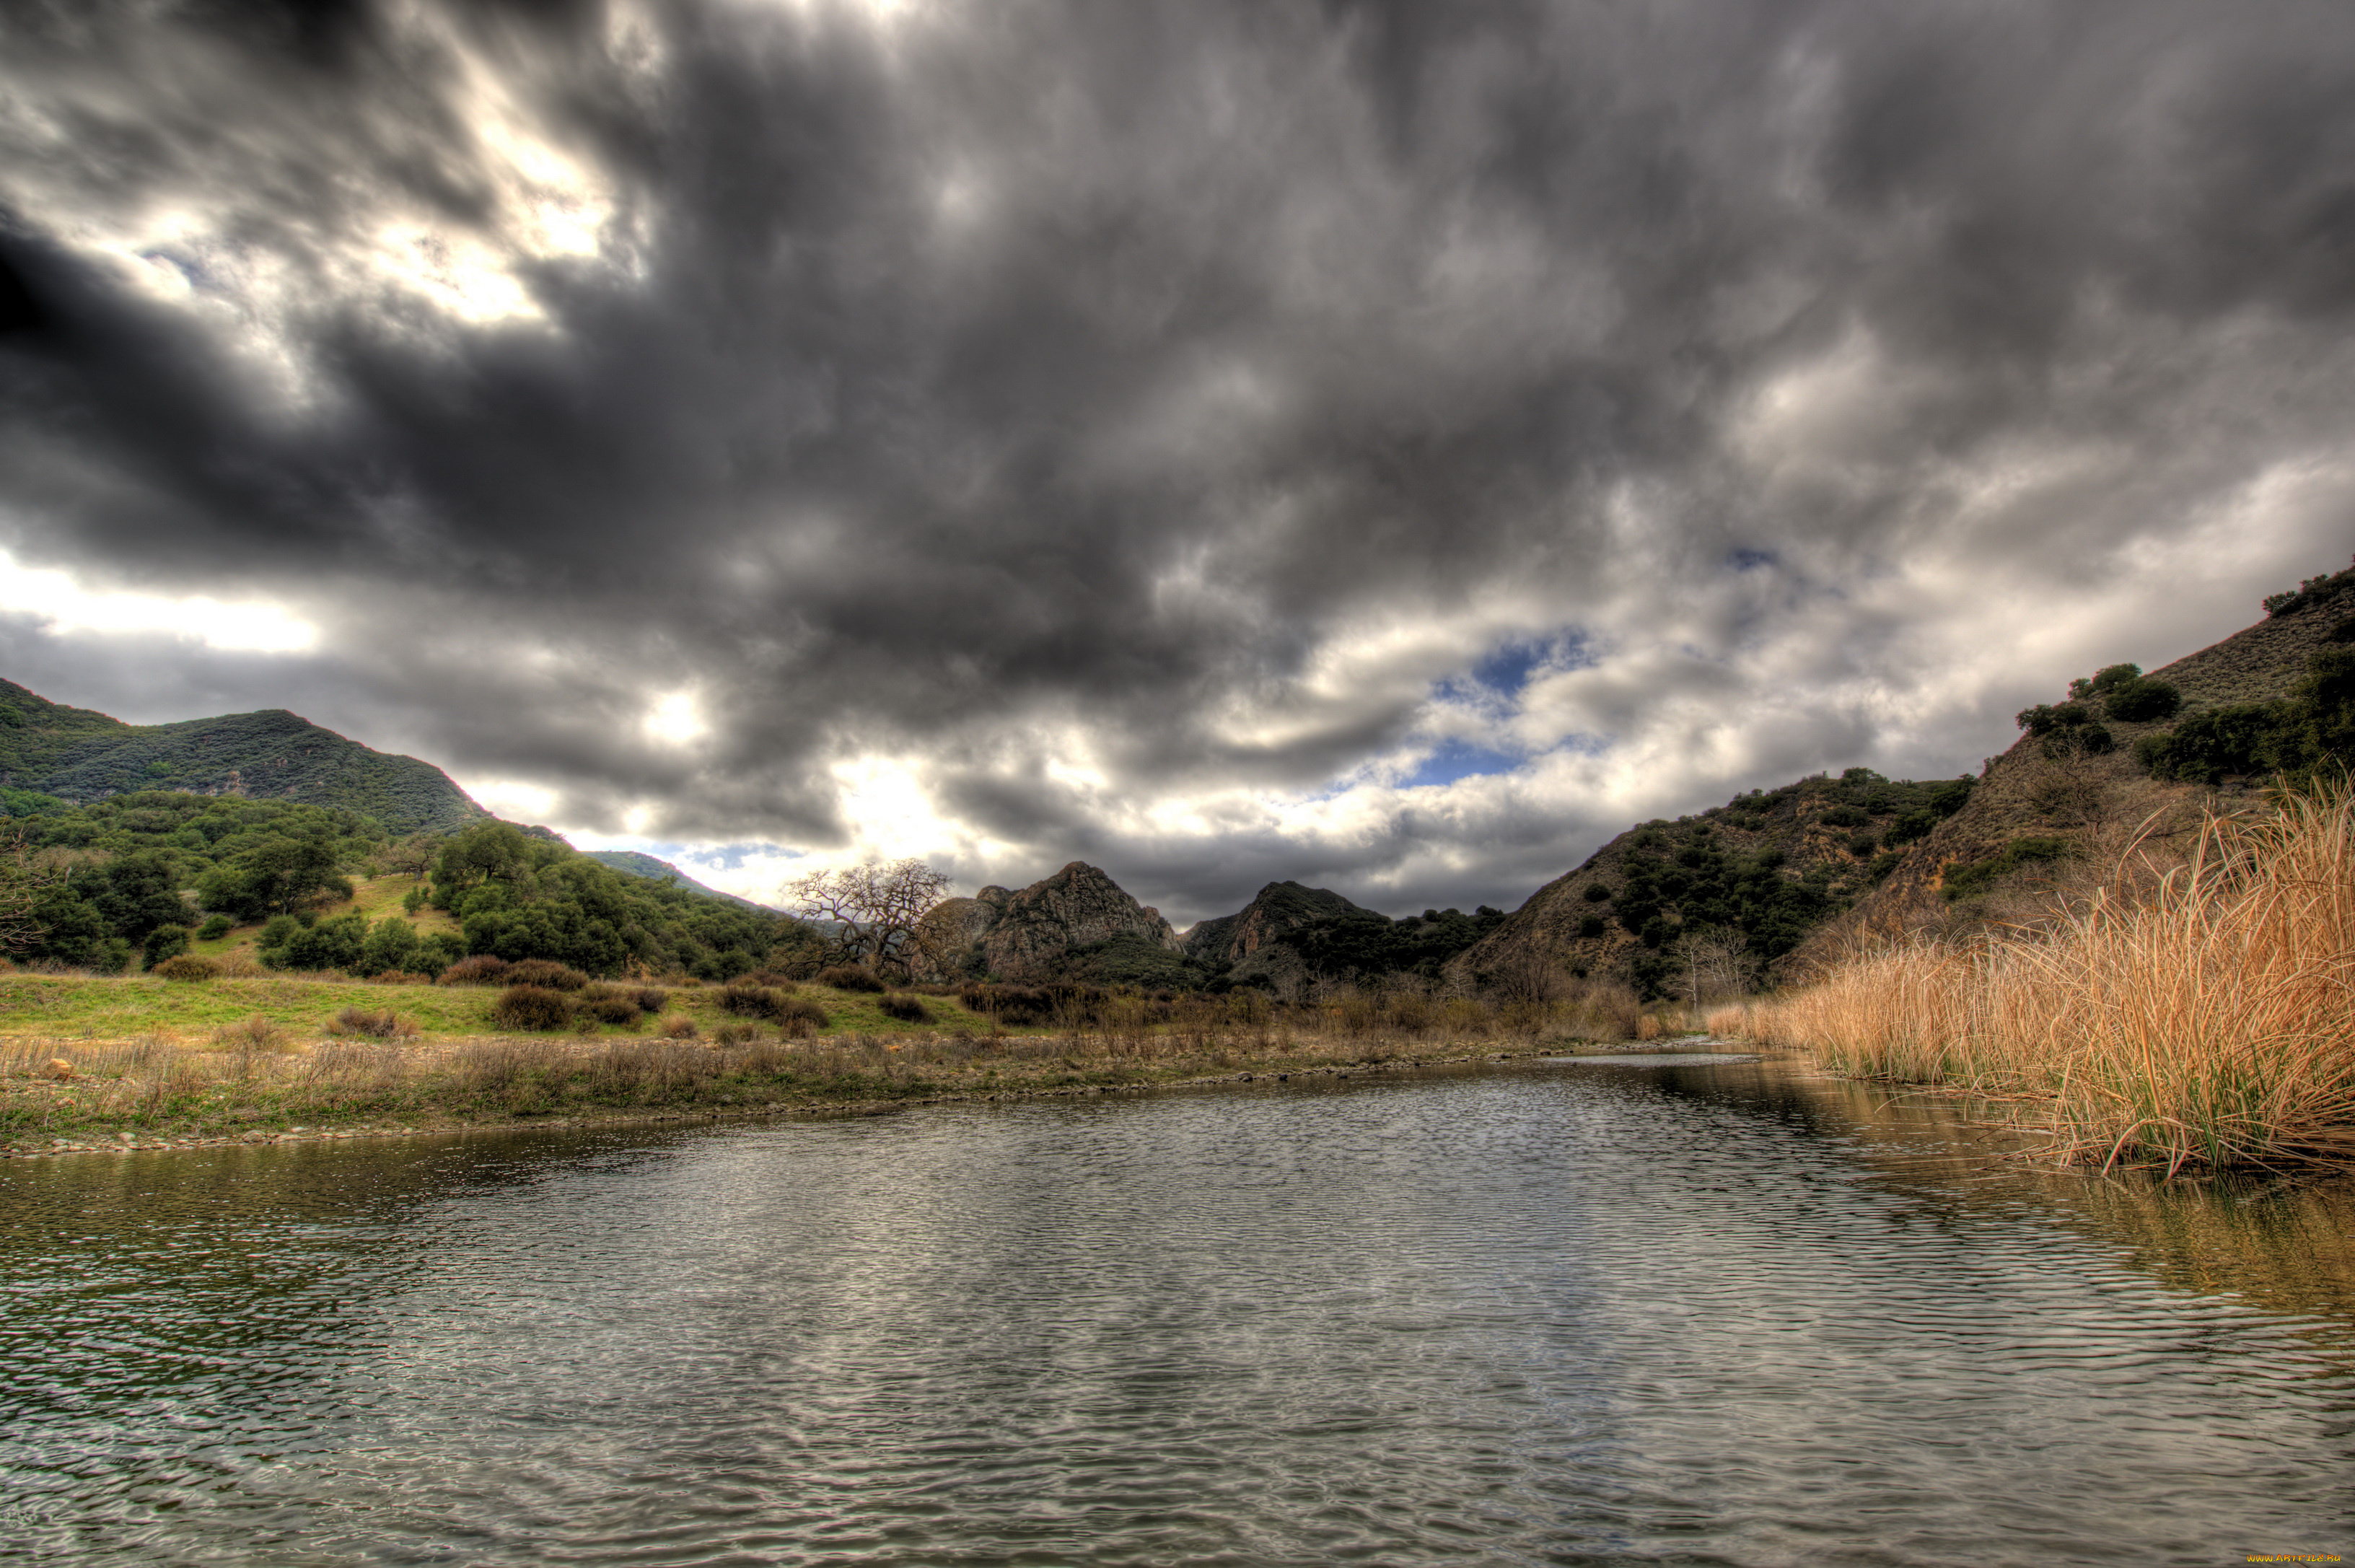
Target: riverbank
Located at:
point(2192, 1015)
point(150, 1094)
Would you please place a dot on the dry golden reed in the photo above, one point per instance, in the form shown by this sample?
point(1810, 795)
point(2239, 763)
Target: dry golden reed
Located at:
point(2204, 1017)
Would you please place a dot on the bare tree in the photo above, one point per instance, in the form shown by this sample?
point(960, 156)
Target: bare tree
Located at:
point(1716, 964)
point(874, 908)
point(22, 878)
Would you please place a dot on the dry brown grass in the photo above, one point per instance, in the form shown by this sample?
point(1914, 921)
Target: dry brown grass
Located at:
point(2201, 1014)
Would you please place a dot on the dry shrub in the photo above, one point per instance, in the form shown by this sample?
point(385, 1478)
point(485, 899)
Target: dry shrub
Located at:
point(651, 998)
point(546, 973)
point(610, 1004)
point(849, 978)
point(239, 964)
point(1649, 1026)
point(400, 978)
point(186, 966)
point(258, 1033)
point(482, 969)
point(749, 1001)
point(735, 1034)
point(800, 1015)
point(1724, 1022)
point(531, 1008)
point(678, 1026)
point(2199, 1016)
point(376, 1023)
point(774, 979)
point(906, 1009)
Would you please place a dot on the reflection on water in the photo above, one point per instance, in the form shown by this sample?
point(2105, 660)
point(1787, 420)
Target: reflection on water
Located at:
point(1649, 1311)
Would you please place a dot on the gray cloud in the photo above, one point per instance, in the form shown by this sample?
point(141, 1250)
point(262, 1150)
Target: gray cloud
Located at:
point(1120, 425)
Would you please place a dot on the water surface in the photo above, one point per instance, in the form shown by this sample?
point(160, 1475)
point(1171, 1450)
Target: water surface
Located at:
point(1575, 1312)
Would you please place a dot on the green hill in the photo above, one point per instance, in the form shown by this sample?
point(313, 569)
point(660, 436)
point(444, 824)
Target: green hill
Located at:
point(630, 863)
point(78, 755)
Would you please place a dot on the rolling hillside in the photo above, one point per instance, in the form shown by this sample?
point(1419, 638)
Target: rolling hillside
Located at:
point(80, 756)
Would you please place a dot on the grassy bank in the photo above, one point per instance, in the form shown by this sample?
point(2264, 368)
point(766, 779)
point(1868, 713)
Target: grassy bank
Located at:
point(2203, 1016)
point(248, 1079)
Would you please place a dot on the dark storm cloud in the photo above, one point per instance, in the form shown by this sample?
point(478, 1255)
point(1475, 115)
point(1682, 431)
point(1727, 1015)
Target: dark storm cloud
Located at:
point(1197, 386)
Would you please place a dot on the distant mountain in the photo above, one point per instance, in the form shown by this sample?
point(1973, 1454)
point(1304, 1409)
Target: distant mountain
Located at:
point(81, 756)
point(1076, 925)
point(631, 863)
point(1277, 909)
point(1766, 868)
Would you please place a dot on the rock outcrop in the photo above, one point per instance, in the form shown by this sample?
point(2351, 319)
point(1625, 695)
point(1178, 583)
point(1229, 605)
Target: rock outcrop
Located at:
point(1278, 910)
point(1025, 934)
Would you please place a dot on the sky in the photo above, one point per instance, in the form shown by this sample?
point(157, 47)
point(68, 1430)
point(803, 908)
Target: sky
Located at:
point(1388, 446)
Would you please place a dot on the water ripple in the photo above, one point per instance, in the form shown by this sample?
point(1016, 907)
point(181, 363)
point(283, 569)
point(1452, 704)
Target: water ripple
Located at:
point(1657, 1311)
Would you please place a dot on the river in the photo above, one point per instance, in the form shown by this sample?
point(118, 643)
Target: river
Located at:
point(1680, 1310)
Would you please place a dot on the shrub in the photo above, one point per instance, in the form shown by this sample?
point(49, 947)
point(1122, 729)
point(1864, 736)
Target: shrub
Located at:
point(2142, 702)
point(771, 978)
point(546, 971)
point(165, 943)
point(849, 978)
point(402, 977)
point(1967, 882)
point(678, 1026)
point(1844, 816)
point(1597, 893)
point(378, 1023)
point(187, 966)
point(749, 1001)
point(611, 1007)
point(2342, 633)
point(1593, 925)
point(392, 945)
point(906, 1009)
point(800, 1017)
point(2045, 717)
point(214, 927)
point(735, 1034)
point(482, 969)
point(651, 998)
point(531, 1008)
point(258, 1033)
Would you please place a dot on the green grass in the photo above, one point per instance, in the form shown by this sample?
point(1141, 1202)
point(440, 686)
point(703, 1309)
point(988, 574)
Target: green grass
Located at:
point(80, 1006)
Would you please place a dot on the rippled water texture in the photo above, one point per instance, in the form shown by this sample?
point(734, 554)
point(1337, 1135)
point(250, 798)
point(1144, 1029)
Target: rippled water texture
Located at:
point(1571, 1313)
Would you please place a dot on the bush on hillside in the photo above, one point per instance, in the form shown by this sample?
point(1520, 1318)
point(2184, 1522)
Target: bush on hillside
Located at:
point(531, 1008)
point(750, 1001)
point(377, 1023)
point(612, 1007)
point(849, 978)
point(905, 1007)
point(214, 927)
point(482, 969)
point(546, 971)
point(1597, 893)
point(187, 966)
point(651, 998)
point(2142, 702)
point(769, 978)
point(328, 944)
point(165, 942)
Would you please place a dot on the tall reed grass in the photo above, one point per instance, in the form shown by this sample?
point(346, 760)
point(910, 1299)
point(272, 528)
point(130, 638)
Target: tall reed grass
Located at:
point(2204, 1015)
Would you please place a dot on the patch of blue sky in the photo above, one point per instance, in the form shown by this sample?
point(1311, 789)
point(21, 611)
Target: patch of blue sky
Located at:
point(1453, 760)
point(713, 857)
point(1747, 560)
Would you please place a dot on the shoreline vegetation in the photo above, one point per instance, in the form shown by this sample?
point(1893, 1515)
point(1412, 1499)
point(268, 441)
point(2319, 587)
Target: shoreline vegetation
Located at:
point(261, 1079)
point(2193, 1011)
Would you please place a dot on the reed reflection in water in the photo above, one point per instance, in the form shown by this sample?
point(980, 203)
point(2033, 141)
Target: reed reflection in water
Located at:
point(1575, 1312)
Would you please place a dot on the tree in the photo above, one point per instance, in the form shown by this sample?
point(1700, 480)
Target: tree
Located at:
point(1713, 963)
point(874, 907)
point(21, 885)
